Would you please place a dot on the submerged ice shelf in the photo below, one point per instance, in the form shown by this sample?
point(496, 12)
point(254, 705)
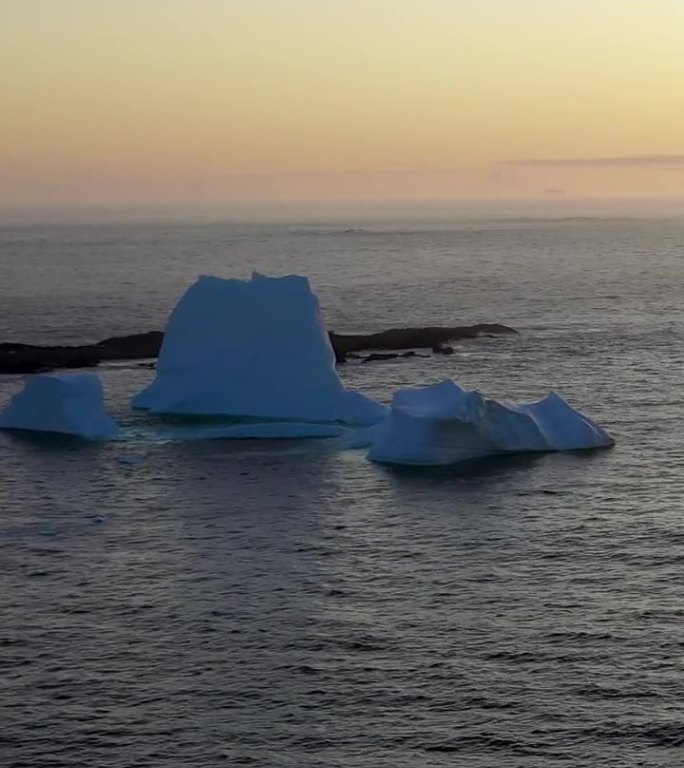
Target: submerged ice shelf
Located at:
point(254, 348)
point(153, 432)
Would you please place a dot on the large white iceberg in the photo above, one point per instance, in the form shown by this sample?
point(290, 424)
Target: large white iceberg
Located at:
point(444, 424)
point(69, 404)
point(252, 348)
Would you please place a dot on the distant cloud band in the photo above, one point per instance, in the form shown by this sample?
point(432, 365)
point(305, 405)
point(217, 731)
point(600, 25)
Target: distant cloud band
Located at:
point(619, 161)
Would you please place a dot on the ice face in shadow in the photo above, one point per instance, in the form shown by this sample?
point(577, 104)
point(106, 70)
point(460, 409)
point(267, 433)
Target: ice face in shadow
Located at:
point(69, 404)
point(444, 424)
point(252, 348)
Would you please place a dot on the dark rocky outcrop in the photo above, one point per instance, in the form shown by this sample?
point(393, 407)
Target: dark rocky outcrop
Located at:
point(29, 358)
point(435, 338)
point(442, 349)
point(26, 358)
point(135, 347)
point(376, 356)
point(380, 356)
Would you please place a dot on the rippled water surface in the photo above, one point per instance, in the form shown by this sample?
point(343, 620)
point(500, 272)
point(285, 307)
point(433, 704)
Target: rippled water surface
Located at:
point(270, 603)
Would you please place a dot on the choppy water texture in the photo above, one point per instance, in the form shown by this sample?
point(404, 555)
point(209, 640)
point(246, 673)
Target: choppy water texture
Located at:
point(282, 604)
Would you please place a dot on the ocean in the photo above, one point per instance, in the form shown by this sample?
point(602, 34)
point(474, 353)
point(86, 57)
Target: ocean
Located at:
point(279, 603)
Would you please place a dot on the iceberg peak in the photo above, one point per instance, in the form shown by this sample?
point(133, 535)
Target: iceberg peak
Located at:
point(252, 348)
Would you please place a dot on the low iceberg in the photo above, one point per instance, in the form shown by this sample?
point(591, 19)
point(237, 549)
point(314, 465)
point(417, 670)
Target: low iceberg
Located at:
point(68, 404)
point(444, 424)
point(252, 348)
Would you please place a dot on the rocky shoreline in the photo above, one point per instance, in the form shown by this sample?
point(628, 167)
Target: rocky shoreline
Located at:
point(18, 358)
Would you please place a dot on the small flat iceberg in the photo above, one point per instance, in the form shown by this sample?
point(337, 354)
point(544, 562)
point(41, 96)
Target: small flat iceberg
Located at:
point(255, 349)
point(68, 404)
point(443, 424)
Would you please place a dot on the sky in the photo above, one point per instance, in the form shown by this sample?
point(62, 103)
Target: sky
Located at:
point(199, 101)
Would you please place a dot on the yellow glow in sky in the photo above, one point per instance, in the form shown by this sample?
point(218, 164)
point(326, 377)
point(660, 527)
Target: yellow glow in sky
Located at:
point(205, 100)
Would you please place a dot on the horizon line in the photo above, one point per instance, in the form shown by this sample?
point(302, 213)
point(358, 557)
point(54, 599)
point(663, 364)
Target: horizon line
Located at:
point(610, 160)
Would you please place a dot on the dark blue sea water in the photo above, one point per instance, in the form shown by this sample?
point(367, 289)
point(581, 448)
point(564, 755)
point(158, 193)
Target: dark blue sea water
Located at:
point(183, 604)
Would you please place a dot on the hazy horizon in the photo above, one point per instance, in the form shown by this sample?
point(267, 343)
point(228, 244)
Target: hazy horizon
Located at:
point(351, 213)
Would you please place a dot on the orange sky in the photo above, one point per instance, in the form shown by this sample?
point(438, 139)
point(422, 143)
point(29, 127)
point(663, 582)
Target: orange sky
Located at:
point(217, 100)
